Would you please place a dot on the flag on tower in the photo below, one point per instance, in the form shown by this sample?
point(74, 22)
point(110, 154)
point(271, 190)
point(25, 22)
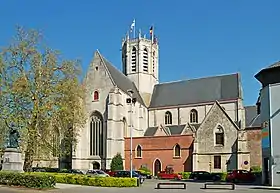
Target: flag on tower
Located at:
point(151, 30)
point(132, 25)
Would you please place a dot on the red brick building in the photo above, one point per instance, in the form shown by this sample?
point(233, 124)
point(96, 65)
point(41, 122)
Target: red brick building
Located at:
point(157, 152)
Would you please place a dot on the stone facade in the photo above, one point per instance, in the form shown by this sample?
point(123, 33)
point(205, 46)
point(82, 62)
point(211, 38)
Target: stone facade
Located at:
point(186, 113)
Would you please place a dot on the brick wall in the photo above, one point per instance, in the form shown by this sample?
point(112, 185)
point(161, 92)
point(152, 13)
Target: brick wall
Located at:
point(254, 137)
point(161, 148)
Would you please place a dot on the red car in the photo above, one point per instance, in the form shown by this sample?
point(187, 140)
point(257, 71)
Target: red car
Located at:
point(240, 176)
point(169, 174)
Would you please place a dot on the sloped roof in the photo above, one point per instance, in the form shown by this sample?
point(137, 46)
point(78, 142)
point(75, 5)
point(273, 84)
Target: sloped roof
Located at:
point(276, 64)
point(252, 119)
point(174, 130)
point(120, 80)
point(224, 87)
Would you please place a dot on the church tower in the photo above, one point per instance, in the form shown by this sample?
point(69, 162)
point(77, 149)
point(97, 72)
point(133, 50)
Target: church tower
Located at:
point(140, 63)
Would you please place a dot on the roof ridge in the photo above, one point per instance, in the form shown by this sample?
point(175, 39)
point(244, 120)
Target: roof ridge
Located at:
point(107, 70)
point(198, 78)
point(104, 58)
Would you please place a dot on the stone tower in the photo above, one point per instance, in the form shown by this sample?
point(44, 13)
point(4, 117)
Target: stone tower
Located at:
point(140, 63)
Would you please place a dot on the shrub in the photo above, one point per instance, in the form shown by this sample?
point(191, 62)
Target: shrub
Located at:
point(81, 179)
point(117, 162)
point(256, 169)
point(29, 180)
point(185, 175)
point(145, 170)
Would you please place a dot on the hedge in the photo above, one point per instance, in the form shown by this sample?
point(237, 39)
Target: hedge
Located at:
point(29, 180)
point(81, 179)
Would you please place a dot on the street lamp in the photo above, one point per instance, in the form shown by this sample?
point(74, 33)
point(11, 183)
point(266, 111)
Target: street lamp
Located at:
point(130, 101)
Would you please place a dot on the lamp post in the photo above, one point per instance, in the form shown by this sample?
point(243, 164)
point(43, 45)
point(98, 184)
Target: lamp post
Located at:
point(130, 101)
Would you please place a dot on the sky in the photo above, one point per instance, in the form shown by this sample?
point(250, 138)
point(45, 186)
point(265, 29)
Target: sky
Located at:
point(197, 38)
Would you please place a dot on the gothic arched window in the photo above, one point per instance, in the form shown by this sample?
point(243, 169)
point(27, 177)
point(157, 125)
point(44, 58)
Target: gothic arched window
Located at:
point(145, 60)
point(168, 118)
point(177, 150)
point(133, 59)
point(193, 116)
point(219, 136)
point(95, 96)
point(138, 151)
point(96, 134)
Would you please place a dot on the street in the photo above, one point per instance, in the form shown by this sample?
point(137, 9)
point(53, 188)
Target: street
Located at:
point(148, 186)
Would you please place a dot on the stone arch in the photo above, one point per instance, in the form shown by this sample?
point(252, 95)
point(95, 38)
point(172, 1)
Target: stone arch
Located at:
point(168, 118)
point(157, 166)
point(138, 151)
point(193, 116)
point(177, 150)
point(95, 165)
point(96, 134)
point(219, 134)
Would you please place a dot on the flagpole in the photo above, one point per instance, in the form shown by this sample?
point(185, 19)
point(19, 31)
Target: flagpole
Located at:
point(134, 30)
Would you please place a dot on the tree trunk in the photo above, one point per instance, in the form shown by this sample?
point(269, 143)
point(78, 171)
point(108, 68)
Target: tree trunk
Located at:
point(29, 155)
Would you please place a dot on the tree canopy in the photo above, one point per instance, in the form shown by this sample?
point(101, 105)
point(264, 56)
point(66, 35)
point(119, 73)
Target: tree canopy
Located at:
point(40, 93)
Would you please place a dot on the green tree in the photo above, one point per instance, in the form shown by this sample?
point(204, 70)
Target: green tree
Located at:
point(40, 94)
point(117, 162)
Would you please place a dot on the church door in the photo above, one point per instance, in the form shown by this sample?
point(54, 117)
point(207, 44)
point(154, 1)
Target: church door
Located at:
point(157, 167)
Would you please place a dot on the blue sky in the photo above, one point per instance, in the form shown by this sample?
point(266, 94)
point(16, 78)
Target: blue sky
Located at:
point(197, 37)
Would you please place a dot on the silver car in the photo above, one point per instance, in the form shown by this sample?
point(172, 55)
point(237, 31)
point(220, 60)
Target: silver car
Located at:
point(97, 173)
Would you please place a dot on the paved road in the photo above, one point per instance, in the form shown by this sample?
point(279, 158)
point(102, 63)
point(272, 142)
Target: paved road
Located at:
point(147, 187)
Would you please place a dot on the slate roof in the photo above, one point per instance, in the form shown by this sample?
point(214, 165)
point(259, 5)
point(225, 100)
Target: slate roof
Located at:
point(224, 87)
point(174, 130)
point(252, 119)
point(120, 80)
point(276, 64)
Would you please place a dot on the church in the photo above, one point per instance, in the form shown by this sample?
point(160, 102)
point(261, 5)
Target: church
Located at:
point(195, 124)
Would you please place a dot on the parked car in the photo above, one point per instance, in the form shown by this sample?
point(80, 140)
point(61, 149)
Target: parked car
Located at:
point(204, 176)
point(97, 173)
point(71, 171)
point(110, 173)
point(147, 176)
point(126, 174)
point(168, 173)
point(240, 176)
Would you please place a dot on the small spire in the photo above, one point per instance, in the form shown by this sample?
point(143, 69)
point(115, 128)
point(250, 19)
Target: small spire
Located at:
point(139, 36)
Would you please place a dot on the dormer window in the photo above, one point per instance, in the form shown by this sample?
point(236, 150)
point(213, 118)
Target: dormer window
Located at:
point(95, 96)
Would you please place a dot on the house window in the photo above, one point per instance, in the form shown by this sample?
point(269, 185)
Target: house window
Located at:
point(193, 116)
point(95, 96)
point(177, 150)
point(219, 136)
point(168, 118)
point(138, 151)
point(217, 162)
